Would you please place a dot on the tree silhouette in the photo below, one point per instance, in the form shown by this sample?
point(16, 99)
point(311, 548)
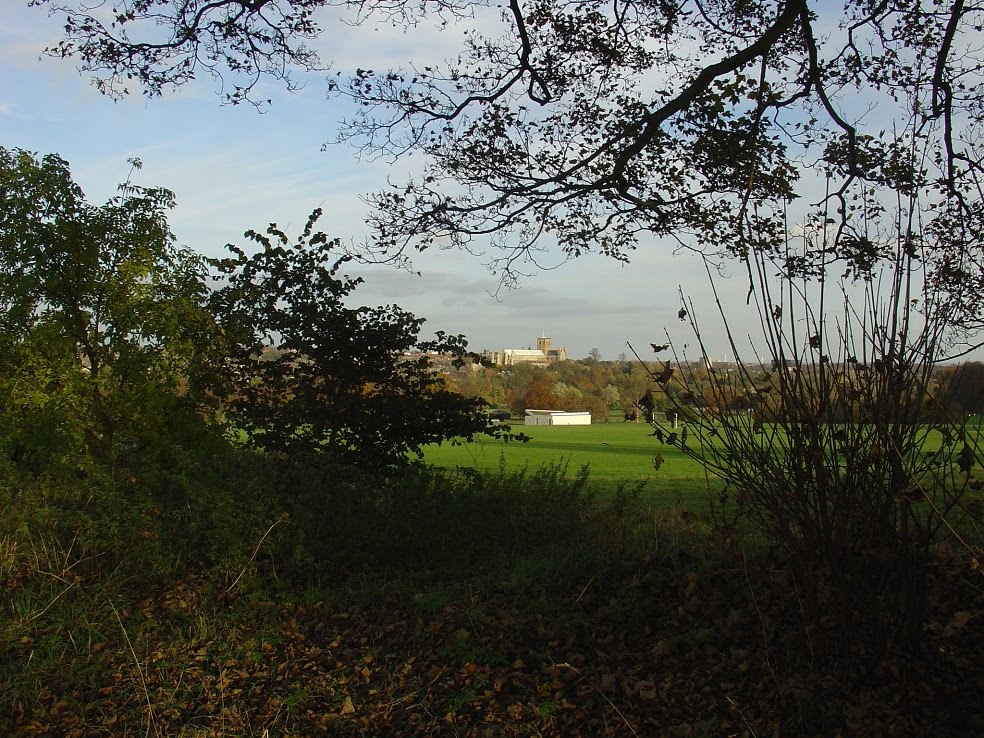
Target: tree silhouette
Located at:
point(306, 371)
point(595, 124)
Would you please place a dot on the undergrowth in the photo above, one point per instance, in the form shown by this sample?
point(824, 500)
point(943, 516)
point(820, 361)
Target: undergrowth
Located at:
point(81, 556)
point(297, 597)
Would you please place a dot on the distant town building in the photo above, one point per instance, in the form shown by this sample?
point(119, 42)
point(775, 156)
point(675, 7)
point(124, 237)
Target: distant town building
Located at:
point(542, 355)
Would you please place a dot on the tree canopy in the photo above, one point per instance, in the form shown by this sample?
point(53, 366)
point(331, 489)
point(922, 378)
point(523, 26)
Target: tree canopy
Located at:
point(102, 315)
point(111, 336)
point(307, 371)
point(596, 124)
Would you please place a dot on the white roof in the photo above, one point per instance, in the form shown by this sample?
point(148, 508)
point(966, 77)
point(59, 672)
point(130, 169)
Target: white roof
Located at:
point(555, 412)
point(524, 352)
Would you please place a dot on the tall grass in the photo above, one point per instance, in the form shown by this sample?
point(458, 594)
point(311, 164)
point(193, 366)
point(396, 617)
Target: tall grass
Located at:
point(457, 518)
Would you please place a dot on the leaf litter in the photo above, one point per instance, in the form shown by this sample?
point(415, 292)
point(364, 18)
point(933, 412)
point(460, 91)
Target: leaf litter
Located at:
point(653, 647)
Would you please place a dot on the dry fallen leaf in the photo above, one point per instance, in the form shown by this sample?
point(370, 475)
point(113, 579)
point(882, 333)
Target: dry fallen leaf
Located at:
point(958, 621)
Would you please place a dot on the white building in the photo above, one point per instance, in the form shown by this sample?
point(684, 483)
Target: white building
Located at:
point(557, 417)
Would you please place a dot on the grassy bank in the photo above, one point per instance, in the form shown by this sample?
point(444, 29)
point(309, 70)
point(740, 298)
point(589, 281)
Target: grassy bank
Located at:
point(576, 625)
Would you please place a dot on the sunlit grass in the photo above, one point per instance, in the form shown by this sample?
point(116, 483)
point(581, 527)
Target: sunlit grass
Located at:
point(613, 451)
point(615, 454)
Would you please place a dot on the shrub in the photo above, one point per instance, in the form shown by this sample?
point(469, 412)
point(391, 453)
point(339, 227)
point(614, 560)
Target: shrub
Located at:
point(838, 447)
point(305, 371)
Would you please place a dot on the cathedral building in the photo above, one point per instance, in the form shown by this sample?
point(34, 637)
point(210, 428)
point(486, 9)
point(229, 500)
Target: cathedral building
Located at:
point(543, 355)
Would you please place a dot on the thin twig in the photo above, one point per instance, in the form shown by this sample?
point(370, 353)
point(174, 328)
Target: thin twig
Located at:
point(742, 716)
point(806, 625)
point(578, 598)
point(58, 596)
point(151, 720)
point(943, 519)
point(765, 634)
point(256, 550)
point(604, 696)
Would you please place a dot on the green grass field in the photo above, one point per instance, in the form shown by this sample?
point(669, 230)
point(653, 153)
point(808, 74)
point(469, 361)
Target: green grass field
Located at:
point(614, 453)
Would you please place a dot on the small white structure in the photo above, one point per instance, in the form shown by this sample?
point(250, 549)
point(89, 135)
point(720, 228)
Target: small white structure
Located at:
point(557, 417)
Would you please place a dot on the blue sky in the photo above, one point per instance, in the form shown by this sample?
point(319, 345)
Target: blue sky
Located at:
point(233, 168)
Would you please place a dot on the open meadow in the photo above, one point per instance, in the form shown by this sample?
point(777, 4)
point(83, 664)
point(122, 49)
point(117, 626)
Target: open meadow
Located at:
point(614, 453)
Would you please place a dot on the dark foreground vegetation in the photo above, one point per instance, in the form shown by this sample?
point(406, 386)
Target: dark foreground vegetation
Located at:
point(301, 599)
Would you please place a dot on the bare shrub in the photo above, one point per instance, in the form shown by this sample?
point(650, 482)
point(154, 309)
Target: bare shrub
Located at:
point(835, 443)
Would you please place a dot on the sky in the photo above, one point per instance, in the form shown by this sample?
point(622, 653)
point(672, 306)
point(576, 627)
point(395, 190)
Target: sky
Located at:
point(233, 169)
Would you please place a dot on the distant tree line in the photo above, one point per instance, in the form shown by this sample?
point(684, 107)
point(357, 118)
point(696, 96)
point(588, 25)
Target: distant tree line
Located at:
point(606, 389)
point(610, 390)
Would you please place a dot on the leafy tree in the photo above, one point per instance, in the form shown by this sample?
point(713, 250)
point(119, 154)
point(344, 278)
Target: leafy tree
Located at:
point(595, 405)
point(541, 395)
point(102, 317)
point(307, 372)
point(479, 384)
point(611, 397)
point(571, 398)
